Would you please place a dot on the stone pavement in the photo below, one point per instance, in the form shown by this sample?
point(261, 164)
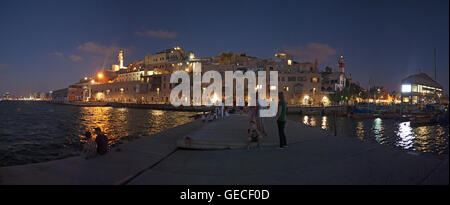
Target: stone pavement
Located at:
point(313, 157)
point(231, 133)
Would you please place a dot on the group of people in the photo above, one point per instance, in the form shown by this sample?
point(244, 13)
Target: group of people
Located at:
point(256, 129)
point(92, 147)
point(219, 111)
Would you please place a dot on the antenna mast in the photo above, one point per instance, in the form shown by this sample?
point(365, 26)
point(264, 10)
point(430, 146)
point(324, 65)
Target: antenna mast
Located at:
point(435, 67)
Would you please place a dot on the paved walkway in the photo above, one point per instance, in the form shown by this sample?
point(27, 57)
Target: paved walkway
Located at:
point(313, 157)
point(231, 133)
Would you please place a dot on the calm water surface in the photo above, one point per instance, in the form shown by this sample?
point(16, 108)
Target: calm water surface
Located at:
point(391, 132)
point(39, 131)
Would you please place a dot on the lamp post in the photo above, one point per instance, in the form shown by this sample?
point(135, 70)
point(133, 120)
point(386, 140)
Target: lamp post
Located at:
point(157, 91)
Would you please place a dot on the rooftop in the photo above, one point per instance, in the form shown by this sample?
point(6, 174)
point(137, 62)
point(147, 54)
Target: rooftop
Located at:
point(422, 79)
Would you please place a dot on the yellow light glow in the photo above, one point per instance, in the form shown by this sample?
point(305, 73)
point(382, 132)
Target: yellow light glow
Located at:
point(100, 75)
point(92, 81)
point(325, 100)
point(214, 99)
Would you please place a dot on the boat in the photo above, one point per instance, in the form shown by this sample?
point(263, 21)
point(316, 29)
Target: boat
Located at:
point(422, 121)
point(362, 115)
point(390, 115)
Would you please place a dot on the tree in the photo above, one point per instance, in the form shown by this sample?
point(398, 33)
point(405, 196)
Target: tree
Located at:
point(349, 93)
point(378, 92)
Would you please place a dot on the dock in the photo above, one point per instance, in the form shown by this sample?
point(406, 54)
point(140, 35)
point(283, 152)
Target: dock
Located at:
point(217, 154)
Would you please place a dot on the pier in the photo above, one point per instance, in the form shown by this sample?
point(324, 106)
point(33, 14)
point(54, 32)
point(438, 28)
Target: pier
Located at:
point(216, 154)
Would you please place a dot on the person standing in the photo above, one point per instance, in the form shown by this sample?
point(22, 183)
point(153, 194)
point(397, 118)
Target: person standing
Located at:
point(281, 120)
point(259, 120)
point(222, 107)
point(102, 142)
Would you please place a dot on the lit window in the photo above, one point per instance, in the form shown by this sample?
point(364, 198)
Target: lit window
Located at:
point(406, 88)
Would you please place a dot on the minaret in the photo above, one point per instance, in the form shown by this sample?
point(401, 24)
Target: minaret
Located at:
point(120, 58)
point(341, 64)
point(316, 65)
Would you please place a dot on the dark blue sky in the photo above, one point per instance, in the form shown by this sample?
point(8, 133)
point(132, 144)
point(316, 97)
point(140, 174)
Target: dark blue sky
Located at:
point(47, 45)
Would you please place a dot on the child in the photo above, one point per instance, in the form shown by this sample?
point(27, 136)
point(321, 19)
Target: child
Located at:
point(203, 116)
point(254, 134)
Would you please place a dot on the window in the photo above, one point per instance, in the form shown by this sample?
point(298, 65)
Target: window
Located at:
point(315, 80)
point(301, 79)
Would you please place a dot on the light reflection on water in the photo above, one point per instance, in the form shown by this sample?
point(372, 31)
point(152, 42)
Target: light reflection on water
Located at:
point(39, 131)
point(393, 132)
point(360, 130)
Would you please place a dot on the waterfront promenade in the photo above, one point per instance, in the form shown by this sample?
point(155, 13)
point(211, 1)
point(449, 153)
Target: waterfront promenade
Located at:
point(216, 154)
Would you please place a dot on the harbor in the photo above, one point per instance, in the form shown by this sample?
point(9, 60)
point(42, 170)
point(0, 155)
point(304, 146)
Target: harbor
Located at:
point(255, 93)
point(314, 156)
point(25, 119)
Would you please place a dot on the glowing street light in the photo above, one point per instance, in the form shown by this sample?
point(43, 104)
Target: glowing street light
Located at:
point(100, 75)
point(215, 98)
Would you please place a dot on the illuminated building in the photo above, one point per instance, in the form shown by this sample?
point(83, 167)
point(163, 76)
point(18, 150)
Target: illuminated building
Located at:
point(148, 80)
point(420, 89)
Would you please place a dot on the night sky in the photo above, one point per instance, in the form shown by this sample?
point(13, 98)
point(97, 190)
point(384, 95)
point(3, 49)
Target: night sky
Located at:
point(47, 45)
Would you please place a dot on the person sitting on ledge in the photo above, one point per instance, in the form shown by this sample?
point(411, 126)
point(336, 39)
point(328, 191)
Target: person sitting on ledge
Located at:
point(203, 116)
point(89, 148)
point(102, 142)
point(254, 135)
